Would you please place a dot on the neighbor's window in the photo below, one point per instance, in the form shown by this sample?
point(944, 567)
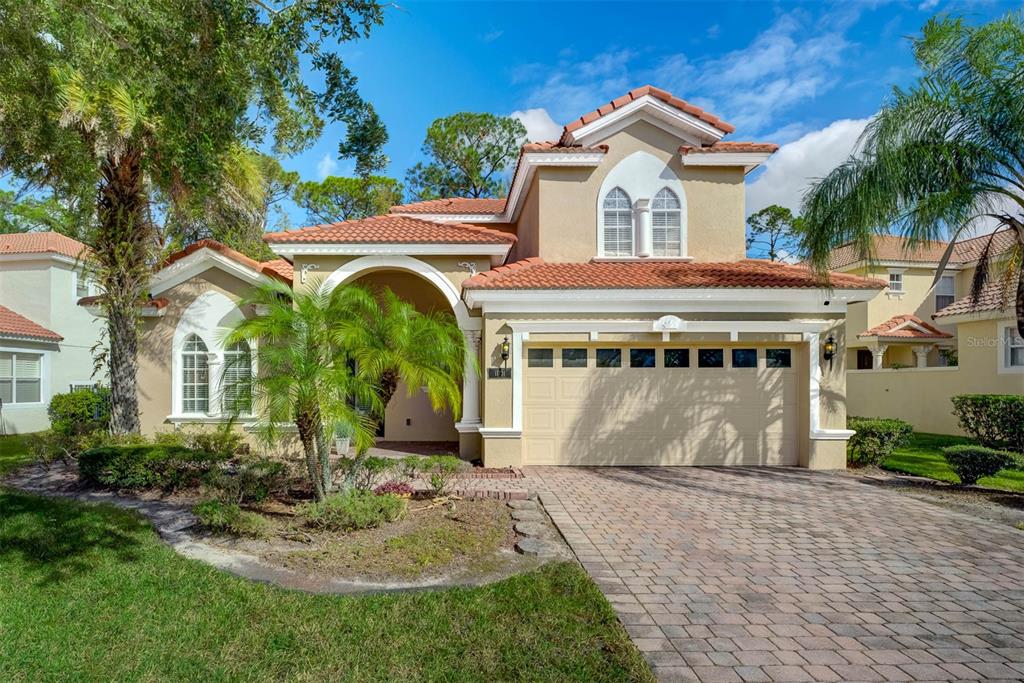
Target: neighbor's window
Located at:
point(641, 358)
point(20, 377)
point(677, 358)
point(710, 358)
point(666, 224)
point(195, 376)
point(609, 358)
point(574, 358)
point(237, 378)
point(945, 292)
point(540, 358)
point(744, 358)
point(778, 358)
point(1014, 349)
point(895, 282)
point(81, 285)
point(618, 223)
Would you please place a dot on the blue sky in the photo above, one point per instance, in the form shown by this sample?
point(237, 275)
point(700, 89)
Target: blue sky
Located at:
point(805, 75)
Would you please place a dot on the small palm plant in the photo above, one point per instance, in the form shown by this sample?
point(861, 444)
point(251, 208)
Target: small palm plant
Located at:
point(938, 157)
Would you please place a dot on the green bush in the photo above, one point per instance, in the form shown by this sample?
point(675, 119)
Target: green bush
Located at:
point(250, 481)
point(353, 509)
point(364, 471)
point(51, 445)
point(145, 466)
point(229, 518)
point(876, 439)
point(441, 470)
point(971, 463)
point(995, 420)
point(80, 412)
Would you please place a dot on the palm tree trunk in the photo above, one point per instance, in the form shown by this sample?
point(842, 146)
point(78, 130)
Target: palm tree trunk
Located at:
point(323, 446)
point(307, 422)
point(388, 387)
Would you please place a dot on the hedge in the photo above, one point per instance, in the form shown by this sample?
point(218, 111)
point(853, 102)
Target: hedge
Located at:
point(971, 463)
point(876, 438)
point(145, 466)
point(995, 420)
point(80, 412)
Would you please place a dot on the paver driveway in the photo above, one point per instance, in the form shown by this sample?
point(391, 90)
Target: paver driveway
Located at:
point(741, 574)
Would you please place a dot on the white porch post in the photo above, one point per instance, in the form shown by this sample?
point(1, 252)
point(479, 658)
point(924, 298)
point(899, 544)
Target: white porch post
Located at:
point(922, 355)
point(877, 352)
point(471, 381)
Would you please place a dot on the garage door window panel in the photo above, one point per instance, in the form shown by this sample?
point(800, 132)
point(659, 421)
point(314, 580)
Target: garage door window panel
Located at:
point(540, 358)
point(710, 358)
point(744, 358)
point(609, 358)
point(677, 358)
point(778, 358)
point(574, 358)
point(641, 358)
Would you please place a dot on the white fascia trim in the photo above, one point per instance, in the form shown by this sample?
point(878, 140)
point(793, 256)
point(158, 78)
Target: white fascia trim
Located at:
point(454, 217)
point(748, 160)
point(676, 325)
point(197, 262)
point(681, 123)
point(500, 433)
point(27, 338)
point(43, 256)
point(290, 249)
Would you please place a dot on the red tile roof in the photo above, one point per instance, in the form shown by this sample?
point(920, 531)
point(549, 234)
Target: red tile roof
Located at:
point(636, 94)
point(535, 273)
point(281, 266)
point(996, 295)
point(16, 325)
point(157, 303)
point(40, 243)
point(394, 229)
point(970, 250)
point(556, 146)
point(274, 271)
point(905, 326)
point(895, 248)
point(728, 146)
point(454, 205)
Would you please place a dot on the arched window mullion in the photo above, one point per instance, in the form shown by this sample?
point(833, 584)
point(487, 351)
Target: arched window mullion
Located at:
point(617, 209)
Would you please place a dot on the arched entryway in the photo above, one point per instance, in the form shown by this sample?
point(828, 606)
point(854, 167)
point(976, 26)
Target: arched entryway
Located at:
point(411, 418)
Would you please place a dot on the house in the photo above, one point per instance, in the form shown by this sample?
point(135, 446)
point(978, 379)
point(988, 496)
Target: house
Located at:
point(46, 340)
point(607, 300)
point(914, 345)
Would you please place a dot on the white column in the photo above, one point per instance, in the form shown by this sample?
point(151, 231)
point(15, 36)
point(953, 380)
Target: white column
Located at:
point(471, 382)
point(878, 352)
point(922, 355)
point(644, 234)
point(214, 382)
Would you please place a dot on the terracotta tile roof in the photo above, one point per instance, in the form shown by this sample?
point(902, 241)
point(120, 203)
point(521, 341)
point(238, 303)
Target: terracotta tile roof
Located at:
point(636, 94)
point(557, 146)
point(720, 147)
point(157, 303)
point(905, 326)
point(281, 266)
point(16, 325)
point(996, 295)
point(236, 256)
point(453, 205)
point(394, 229)
point(535, 273)
point(40, 243)
point(970, 250)
point(894, 248)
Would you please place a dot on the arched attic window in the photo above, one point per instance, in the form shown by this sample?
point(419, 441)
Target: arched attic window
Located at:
point(666, 224)
point(618, 223)
point(195, 376)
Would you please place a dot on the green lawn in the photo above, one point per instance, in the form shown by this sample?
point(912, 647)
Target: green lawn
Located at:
point(13, 453)
point(89, 593)
point(923, 457)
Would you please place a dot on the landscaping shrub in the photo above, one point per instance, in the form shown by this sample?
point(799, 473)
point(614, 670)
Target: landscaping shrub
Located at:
point(145, 466)
point(363, 472)
point(80, 412)
point(441, 470)
point(217, 515)
point(972, 463)
point(398, 488)
point(223, 439)
point(351, 510)
point(51, 445)
point(995, 420)
point(410, 466)
point(250, 481)
point(876, 438)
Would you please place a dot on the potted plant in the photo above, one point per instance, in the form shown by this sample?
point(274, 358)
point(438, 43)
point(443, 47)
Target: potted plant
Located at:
point(342, 438)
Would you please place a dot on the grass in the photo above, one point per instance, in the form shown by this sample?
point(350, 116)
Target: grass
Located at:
point(923, 457)
point(89, 593)
point(13, 453)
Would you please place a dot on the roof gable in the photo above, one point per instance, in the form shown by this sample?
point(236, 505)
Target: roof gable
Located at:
point(16, 326)
point(205, 254)
point(905, 326)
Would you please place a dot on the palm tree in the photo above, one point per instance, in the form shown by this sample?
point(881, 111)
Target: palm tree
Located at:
point(304, 376)
point(939, 157)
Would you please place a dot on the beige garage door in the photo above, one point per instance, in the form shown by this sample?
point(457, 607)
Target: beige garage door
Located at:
point(636, 405)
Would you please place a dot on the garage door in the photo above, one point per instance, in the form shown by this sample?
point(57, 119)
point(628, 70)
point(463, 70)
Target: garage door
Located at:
point(636, 405)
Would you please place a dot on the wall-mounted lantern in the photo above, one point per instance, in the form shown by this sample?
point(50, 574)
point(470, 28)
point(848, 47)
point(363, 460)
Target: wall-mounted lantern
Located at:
point(504, 351)
point(830, 350)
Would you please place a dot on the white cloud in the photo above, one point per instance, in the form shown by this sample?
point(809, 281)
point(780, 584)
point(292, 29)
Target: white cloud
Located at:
point(928, 5)
point(326, 166)
point(713, 31)
point(539, 124)
point(492, 36)
point(791, 170)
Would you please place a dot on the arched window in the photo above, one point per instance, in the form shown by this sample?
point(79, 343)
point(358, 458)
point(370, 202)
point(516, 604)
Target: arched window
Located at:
point(195, 376)
point(237, 379)
point(618, 223)
point(666, 224)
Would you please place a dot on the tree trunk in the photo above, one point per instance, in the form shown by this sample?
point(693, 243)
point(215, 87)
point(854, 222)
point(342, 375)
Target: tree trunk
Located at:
point(388, 387)
point(308, 423)
point(323, 446)
point(122, 249)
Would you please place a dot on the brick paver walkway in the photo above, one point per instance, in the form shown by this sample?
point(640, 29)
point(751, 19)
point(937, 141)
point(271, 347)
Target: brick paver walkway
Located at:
point(738, 574)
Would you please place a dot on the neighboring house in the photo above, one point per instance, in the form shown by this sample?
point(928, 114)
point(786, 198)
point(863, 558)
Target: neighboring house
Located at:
point(914, 346)
point(606, 299)
point(46, 340)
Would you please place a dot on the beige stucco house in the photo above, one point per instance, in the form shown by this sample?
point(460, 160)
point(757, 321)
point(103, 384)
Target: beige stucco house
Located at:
point(607, 300)
point(919, 342)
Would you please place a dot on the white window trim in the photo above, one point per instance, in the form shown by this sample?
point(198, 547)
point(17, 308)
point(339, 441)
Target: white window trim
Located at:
point(890, 292)
point(76, 277)
point(1003, 355)
point(632, 225)
point(45, 390)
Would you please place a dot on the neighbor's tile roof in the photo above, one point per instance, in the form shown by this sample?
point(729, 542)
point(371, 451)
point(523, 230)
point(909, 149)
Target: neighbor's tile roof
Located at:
point(281, 266)
point(16, 325)
point(891, 329)
point(996, 295)
point(393, 229)
point(894, 248)
point(971, 250)
point(96, 299)
point(636, 94)
point(269, 268)
point(535, 273)
point(40, 243)
point(728, 146)
point(453, 205)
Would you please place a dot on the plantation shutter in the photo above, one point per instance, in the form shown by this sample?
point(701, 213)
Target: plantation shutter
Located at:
point(6, 377)
point(618, 224)
point(666, 224)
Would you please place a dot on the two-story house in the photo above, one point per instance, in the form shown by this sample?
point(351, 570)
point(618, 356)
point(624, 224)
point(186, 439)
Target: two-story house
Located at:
point(919, 342)
point(607, 300)
point(46, 340)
